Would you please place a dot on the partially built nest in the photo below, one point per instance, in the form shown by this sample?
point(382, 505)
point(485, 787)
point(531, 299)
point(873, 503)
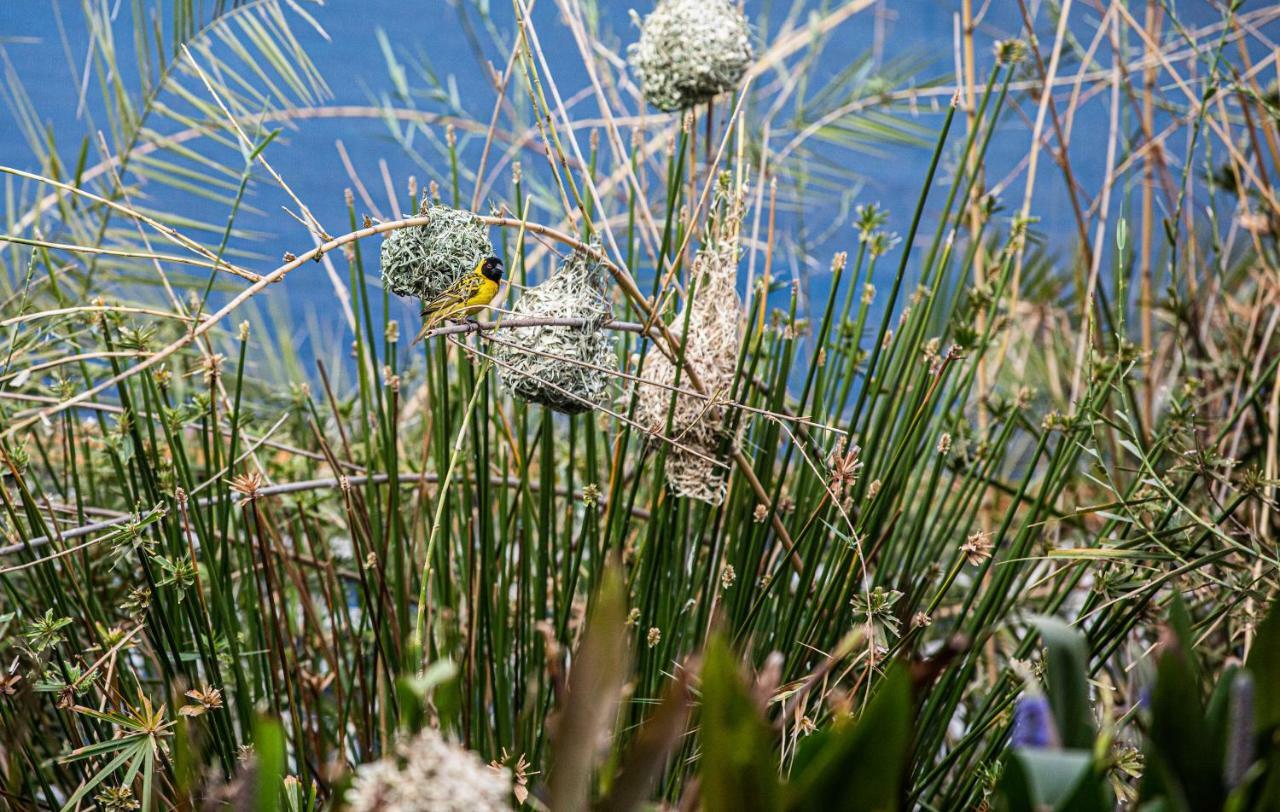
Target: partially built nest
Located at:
point(699, 426)
point(564, 368)
point(689, 51)
point(425, 260)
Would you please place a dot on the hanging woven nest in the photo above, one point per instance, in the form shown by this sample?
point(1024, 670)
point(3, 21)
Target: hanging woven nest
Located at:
point(689, 51)
point(425, 260)
point(567, 369)
point(699, 426)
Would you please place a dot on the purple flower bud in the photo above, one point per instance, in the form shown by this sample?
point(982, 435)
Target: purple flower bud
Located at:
point(1240, 747)
point(1144, 698)
point(1033, 723)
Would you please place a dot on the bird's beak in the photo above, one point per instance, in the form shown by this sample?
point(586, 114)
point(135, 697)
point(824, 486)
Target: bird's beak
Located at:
point(426, 327)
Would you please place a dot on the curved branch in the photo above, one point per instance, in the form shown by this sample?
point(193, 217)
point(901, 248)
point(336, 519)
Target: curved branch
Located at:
point(482, 327)
point(463, 327)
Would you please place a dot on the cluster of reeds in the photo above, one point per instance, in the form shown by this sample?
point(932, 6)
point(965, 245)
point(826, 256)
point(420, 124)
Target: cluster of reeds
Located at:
point(241, 570)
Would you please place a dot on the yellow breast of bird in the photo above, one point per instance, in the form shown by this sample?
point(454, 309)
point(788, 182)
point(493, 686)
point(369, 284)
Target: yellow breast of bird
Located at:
point(483, 295)
point(480, 295)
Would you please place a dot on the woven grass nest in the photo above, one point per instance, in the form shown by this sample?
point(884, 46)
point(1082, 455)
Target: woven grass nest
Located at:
point(425, 260)
point(567, 369)
point(699, 426)
point(689, 51)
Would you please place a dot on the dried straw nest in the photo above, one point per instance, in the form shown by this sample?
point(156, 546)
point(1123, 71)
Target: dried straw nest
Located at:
point(689, 51)
point(564, 368)
point(424, 260)
point(711, 351)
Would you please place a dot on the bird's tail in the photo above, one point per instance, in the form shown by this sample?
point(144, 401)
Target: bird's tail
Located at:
point(429, 321)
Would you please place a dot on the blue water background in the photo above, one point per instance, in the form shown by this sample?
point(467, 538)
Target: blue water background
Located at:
point(353, 64)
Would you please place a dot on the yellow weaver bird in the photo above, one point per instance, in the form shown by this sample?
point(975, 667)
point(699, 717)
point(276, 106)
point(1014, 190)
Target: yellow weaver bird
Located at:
point(469, 295)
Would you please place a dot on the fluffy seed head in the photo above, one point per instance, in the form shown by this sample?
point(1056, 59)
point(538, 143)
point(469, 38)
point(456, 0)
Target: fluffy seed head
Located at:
point(427, 773)
point(977, 548)
point(1010, 51)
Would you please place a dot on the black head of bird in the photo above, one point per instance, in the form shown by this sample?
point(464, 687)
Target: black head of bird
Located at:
point(492, 269)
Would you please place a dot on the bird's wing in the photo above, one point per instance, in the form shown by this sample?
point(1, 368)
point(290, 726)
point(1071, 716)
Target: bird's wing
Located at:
point(457, 293)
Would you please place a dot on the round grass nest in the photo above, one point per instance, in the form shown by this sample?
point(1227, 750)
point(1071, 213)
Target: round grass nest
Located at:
point(567, 369)
point(700, 426)
point(425, 260)
point(689, 51)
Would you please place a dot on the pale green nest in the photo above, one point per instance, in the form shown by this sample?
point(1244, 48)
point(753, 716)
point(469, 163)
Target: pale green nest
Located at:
point(567, 369)
point(689, 51)
point(425, 260)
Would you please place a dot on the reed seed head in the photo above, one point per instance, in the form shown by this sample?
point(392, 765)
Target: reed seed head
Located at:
point(977, 548)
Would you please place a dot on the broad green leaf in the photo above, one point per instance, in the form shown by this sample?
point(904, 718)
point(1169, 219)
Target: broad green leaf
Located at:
point(1217, 715)
point(1067, 681)
point(739, 767)
point(1177, 761)
point(1179, 621)
point(1264, 663)
point(1038, 779)
point(596, 678)
point(268, 743)
point(859, 764)
point(1015, 791)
